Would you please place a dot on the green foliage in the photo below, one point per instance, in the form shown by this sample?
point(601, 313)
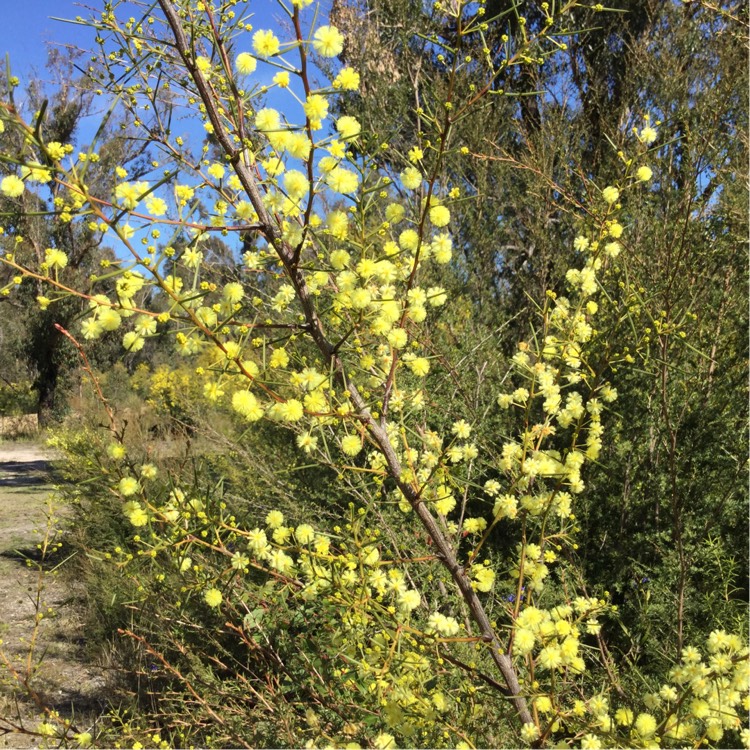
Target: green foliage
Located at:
point(360, 489)
point(17, 399)
point(32, 348)
point(674, 478)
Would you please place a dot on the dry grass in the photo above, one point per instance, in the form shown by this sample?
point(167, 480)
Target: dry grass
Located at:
point(57, 675)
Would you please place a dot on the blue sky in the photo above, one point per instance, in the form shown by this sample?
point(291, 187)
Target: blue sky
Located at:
point(27, 28)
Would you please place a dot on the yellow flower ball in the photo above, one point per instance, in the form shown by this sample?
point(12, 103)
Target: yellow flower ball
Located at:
point(351, 445)
point(213, 597)
point(648, 135)
point(316, 107)
point(610, 194)
point(348, 127)
point(420, 366)
point(328, 41)
point(55, 258)
point(12, 186)
point(342, 180)
point(265, 43)
point(245, 63)
point(645, 725)
point(440, 216)
point(644, 174)
point(411, 178)
point(245, 403)
point(233, 292)
point(347, 79)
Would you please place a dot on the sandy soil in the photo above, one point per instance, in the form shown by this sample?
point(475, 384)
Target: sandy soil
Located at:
point(57, 673)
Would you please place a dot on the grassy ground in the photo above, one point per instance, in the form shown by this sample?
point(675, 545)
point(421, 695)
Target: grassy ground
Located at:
point(56, 675)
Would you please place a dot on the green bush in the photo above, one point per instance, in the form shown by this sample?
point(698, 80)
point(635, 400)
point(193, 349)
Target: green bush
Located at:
point(313, 500)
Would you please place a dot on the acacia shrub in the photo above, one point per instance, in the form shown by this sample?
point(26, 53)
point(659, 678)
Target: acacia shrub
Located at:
point(444, 636)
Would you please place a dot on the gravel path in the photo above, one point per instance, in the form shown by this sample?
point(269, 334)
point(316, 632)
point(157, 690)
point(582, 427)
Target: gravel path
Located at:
point(58, 675)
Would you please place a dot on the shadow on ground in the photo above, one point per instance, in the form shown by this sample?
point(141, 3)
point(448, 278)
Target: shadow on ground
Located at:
point(25, 473)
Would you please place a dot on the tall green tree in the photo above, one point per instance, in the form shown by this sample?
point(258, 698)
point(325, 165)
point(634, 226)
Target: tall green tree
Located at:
point(33, 348)
point(674, 504)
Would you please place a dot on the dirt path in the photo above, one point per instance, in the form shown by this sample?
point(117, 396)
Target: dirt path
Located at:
point(59, 674)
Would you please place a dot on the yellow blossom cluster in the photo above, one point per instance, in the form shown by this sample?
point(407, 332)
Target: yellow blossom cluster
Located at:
point(341, 259)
